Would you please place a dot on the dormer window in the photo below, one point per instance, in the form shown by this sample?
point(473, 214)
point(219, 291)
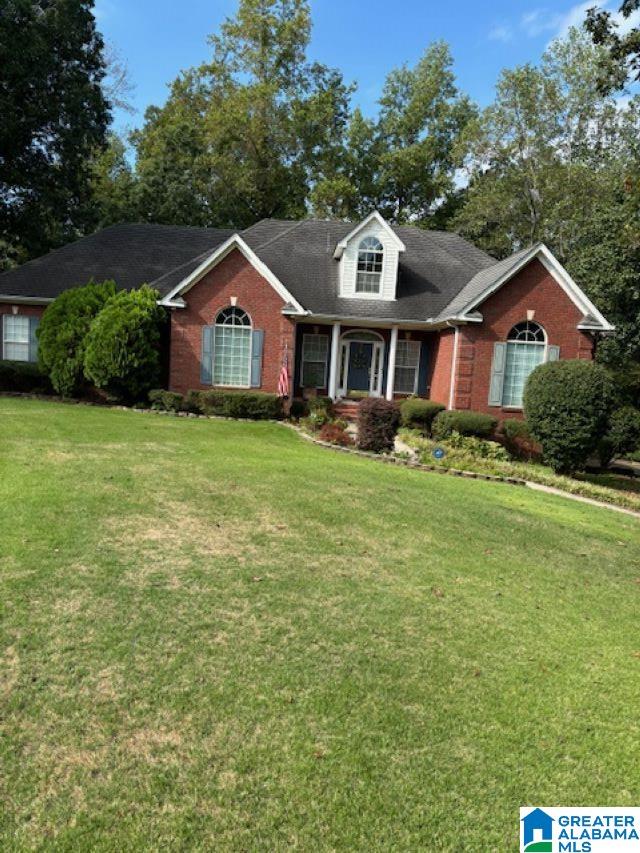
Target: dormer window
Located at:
point(370, 258)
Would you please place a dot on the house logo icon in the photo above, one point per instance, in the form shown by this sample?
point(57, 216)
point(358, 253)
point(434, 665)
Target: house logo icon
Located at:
point(537, 835)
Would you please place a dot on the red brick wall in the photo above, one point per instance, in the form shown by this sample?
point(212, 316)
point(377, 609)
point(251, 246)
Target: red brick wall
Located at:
point(234, 276)
point(441, 367)
point(25, 310)
point(532, 289)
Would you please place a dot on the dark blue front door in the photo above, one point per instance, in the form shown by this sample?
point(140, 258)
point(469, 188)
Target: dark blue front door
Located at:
point(360, 355)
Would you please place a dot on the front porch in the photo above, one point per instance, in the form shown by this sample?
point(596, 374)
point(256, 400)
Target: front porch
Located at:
point(349, 363)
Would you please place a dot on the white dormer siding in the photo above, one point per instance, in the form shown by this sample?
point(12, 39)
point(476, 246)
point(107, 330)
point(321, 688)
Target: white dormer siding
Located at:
point(347, 254)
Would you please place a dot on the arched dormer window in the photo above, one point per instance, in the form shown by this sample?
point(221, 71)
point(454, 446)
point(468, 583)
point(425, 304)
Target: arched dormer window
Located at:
point(370, 259)
point(232, 348)
point(526, 349)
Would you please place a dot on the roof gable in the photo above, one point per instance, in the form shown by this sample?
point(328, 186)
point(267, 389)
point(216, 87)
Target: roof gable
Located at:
point(373, 218)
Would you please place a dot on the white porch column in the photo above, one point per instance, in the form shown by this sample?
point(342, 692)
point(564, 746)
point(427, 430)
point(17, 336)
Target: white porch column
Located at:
point(391, 370)
point(334, 362)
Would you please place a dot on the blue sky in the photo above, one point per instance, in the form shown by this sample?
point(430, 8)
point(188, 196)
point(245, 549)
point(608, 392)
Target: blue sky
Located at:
point(364, 38)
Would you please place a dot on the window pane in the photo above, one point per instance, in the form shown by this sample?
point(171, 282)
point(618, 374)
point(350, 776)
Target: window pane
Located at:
point(16, 337)
point(314, 359)
point(407, 361)
point(232, 356)
point(368, 282)
point(521, 360)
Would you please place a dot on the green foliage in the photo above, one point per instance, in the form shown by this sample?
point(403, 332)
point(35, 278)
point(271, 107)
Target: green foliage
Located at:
point(23, 377)
point(419, 414)
point(298, 409)
point(63, 330)
point(252, 405)
point(514, 429)
point(122, 355)
point(622, 62)
point(464, 423)
point(567, 406)
point(166, 401)
point(54, 117)
point(477, 448)
point(378, 422)
point(623, 435)
point(245, 135)
point(321, 404)
point(113, 184)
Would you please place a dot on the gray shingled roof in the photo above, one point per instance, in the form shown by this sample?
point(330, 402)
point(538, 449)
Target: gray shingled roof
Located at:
point(130, 254)
point(481, 283)
point(432, 271)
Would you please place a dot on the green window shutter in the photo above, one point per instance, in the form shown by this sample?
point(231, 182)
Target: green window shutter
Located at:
point(206, 363)
point(257, 345)
point(34, 322)
point(553, 353)
point(497, 374)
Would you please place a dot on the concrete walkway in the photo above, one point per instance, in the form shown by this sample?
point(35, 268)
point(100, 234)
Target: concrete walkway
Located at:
point(581, 499)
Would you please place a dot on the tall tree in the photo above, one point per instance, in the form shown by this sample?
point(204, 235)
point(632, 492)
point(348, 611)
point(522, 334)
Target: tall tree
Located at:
point(54, 115)
point(246, 135)
point(622, 61)
point(113, 185)
point(555, 159)
point(404, 163)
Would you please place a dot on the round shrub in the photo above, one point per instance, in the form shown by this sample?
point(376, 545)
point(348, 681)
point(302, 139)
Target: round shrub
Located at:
point(567, 405)
point(623, 435)
point(63, 331)
point(378, 422)
point(419, 414)
point(122, 354)
point(335, 433)
point(464, 423)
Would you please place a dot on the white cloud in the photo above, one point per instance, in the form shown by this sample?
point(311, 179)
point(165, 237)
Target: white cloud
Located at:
point(103, 9)
point(501, 32)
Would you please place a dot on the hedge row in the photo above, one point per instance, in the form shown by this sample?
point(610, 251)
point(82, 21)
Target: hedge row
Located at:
point(23, 377)
point(252, 405)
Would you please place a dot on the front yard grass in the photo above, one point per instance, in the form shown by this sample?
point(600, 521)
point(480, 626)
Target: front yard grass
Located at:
point(217, 636)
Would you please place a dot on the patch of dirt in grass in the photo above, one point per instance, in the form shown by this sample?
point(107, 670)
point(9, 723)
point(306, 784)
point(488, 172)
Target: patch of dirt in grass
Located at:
point(60, 456)
point(9, 671)
point(155, 746)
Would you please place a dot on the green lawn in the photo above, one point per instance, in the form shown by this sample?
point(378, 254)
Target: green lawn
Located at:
point(216, 636)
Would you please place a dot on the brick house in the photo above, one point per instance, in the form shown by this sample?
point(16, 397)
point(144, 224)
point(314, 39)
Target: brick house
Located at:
point(357, 309)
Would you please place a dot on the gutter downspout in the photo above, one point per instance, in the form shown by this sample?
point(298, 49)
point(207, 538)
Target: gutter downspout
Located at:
point(454, 364)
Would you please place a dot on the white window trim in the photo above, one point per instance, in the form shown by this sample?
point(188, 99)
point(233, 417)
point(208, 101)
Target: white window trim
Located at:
point(314, 361)
point(213, 353)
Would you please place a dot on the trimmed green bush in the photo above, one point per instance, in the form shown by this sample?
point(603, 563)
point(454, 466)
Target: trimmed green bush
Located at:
point(378, 422)
point(63, 331)
point(298, 409)
point(23, 377)
point(518, 439)
point(320, 404)
point(122, 354)
point(567, 406)
point(253, 405)
point(623, 435)
point(166, 401)
point(464, 423)
point(419, 414)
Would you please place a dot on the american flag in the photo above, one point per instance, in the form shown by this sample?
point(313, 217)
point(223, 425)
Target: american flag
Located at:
point(283, 381)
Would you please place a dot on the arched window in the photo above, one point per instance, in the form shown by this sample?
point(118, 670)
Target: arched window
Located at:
point(370, 258)
point(526, 349)
point(232, 348)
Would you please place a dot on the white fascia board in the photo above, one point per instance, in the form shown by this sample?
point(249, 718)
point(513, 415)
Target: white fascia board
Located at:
point(561, 276)
point(26, 300)
point(171, 300)
point(373, 217)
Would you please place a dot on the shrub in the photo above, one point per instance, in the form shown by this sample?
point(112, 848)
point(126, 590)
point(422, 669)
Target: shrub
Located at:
point(166, 401)
point(464, 423)
point(567, 404)
point(623, 435)
point(62, 334)
point(378, 422)
point(320, 404)
point(335, 433)
point(23, 377)
point(478, 448)
point(419, 414)
point(253, 405)
point(298, 409)
point(123, 345)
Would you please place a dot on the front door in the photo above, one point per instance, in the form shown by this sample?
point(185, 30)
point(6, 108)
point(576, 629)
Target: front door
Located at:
point(359, 375)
